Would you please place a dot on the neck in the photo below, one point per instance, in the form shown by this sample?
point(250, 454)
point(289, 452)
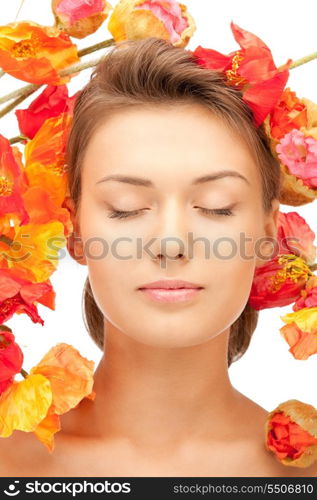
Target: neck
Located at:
point(159, 396)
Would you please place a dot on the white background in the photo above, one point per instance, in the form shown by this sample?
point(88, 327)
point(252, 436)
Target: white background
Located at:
point(267, 373)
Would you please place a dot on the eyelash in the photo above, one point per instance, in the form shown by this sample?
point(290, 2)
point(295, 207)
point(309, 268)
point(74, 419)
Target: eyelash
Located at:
point(120, 214)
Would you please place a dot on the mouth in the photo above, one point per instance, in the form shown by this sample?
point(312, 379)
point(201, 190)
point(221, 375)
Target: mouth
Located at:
point(171, 294)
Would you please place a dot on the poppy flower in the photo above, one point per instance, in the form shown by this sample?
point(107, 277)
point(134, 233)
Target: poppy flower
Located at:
point(299, 154)
point(35, 53)
point(291, 433)
point(278, 282)
point(295, 236)
point(42, 209)
point(45, 163)
point(51, 102)
point(24, 404)
point(250, 69)
point(300, 332)
point(54, 386)
point(11, 356)
point(289, 113)
point(80, 18)
point(12, 182)
point(34, 249)
point(308, 296)
point(136, 19)
point(18, 295)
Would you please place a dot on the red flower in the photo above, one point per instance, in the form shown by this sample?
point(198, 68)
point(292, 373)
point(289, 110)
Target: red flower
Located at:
point(11, 356)
point(51, 102)
point(288, 439)
point(295, 236)
point(279, 282)
point(251, 69)
point(18, 295)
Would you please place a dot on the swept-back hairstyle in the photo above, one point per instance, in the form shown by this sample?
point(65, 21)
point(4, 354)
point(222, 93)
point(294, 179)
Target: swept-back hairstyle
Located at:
point(152, 71)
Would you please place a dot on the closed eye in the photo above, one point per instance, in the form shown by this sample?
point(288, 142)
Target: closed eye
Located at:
point(216, 211)
point(123, 214)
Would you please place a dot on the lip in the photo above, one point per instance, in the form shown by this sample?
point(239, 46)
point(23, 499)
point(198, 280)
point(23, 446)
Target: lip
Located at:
point(170, 285)
point(171, 291)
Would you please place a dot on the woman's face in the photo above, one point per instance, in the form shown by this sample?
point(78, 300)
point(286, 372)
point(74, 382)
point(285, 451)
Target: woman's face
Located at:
point(152, 158)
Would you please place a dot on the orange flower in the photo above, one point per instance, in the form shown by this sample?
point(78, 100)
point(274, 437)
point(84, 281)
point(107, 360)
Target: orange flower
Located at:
point(278, 282)
point(136, 19)
point(80, 18)
point(12, 182)
point(35, 53)
point(45, 157)
point(42, 209)
point(289, 113)
point(300, 332)
point(291, 433)
point(54, 386)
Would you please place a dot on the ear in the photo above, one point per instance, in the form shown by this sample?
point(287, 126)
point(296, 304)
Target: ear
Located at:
point(74, 241)
point(269, 248)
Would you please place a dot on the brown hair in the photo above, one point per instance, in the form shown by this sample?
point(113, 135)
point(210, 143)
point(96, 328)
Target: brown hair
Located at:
point(153, 71)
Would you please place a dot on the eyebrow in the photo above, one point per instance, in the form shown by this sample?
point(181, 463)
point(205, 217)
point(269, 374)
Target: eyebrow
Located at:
point(139, 181)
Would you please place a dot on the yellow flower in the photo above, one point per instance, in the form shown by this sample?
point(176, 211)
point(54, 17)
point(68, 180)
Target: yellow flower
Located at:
point(34, 248)
point(24, 404)
point(305, 319)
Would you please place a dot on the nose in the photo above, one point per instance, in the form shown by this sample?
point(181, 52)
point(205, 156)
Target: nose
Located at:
point(170, 235)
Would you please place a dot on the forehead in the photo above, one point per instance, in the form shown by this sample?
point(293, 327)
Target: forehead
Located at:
point(165, 142)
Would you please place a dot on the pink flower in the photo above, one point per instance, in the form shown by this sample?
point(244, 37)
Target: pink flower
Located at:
point(80, 18)
point(169, 12)
point(299, 154)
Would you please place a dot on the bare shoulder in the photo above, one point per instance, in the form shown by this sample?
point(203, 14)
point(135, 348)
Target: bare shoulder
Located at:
point(15, 453)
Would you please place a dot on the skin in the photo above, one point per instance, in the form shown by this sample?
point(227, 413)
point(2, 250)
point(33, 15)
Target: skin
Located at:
point(165, 405)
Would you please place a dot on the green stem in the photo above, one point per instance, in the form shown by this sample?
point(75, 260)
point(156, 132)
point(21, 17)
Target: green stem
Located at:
point(97, 46)
point(18, 92)
point(18, 138)
point(304, 60)
point(16, 102)
point(24, 373)
point(75, 68)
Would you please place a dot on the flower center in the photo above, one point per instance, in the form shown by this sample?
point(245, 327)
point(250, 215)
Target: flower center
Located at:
point(6, 186)
point(232, 74)
point(26, 48)
point(294, 268)
point(58, 168)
